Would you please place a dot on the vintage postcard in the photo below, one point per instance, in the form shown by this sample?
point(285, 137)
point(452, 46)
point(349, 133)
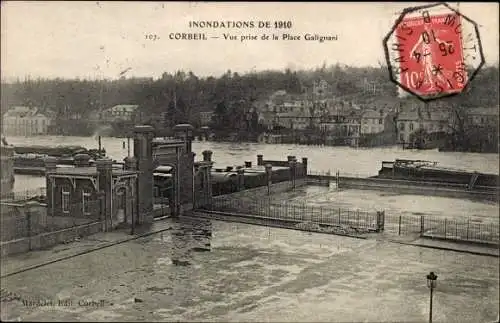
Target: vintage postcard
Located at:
point(249, 161)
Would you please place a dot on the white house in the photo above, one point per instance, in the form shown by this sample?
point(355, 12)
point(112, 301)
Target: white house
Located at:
point(483, 116)
point(373, 121)
point(25, 121)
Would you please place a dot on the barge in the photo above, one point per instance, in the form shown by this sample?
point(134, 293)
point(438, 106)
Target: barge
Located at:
point(429, 171)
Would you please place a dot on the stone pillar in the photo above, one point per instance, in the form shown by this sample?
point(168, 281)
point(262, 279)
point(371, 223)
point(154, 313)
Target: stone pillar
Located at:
point(105, 176)
point(185, 168)
point(207, 155)
point(269, 175)
point(184, 132)
point(241, 179)
point(50, 168)
point(82, 160)
point(304, 166)
point(292, 164)
point(130, 163)
point(260, 160)
point(143, 153)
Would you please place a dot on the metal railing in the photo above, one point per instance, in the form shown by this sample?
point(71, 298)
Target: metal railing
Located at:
point(295, 212)
point(443, 228)
point(24, 195)
point(466, 230)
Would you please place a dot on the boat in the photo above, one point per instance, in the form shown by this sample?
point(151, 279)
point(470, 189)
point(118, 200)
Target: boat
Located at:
point(430, 171)
point(60, 151)
point(57, 151)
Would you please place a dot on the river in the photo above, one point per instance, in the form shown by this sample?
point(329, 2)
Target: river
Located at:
point(347, 160)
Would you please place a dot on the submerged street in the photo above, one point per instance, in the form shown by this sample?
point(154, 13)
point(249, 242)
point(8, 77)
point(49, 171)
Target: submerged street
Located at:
point(222, 271)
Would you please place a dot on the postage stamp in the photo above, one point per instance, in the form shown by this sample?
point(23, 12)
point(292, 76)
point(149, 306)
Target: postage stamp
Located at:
point(436, 55)
point(428, 51)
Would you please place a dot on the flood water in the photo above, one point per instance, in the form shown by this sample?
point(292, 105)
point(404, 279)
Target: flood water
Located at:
point(217, 271)
point(346, 160)
point(232, 272)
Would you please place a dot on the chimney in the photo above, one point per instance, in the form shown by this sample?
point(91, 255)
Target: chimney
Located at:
point(260, 160)
point(207, 155)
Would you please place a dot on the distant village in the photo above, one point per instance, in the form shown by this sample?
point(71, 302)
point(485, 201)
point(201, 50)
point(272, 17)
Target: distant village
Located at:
point(315, 116)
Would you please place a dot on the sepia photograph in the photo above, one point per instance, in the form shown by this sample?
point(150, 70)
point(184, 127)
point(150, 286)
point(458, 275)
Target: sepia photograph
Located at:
point(217, 161)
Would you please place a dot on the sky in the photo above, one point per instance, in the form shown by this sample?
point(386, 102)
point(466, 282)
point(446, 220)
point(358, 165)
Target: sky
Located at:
point(101, 39)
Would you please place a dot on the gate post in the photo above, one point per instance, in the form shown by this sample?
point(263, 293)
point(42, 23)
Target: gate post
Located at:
point(380, 221)
point(422, 228)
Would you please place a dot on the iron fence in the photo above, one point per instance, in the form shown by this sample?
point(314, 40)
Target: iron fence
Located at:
point(24, 195)
point(296, 212)
point(467, 230)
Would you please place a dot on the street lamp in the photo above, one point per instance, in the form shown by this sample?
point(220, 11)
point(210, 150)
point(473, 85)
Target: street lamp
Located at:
point(431, 283)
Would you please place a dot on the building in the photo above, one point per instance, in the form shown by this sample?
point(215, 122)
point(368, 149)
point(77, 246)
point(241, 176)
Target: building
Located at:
point(120, 112)
point(295, 120)
point(321, 88)
point(342, 128)
point(206, 118)
point(483, 117)
point(85, 190)
point(26, 121)
point(410, 121)
point(373, 121)
point(127, 194)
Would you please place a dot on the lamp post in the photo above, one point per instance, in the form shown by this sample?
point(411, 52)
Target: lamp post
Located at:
point(431, 283)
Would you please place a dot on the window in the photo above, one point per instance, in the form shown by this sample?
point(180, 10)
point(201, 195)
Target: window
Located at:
point(380, 121)
point(411, 126)
point(402, 126)
point(401, 138)
point(65, 200)
point(156, 191)
point(85, 202)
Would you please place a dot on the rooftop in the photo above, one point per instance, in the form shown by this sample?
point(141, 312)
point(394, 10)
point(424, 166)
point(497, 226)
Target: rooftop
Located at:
point(23, 112)
point(89, 171)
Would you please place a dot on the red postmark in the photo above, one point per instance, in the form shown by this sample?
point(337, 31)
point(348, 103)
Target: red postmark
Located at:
point(431, 57)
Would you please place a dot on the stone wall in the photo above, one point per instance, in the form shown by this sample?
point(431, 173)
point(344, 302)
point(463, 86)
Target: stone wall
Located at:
point(27, 227)
point(48, 239)
point(18, 220)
